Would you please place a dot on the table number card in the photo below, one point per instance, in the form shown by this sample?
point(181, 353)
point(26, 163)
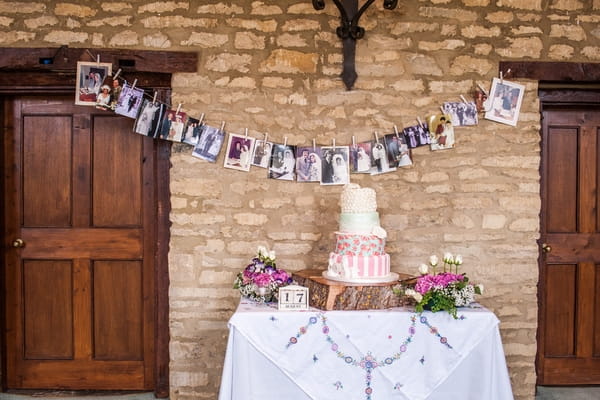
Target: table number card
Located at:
point(293, 297)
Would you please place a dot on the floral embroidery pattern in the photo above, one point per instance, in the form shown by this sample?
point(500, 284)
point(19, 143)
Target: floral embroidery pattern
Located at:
point(434, 331)
point(303, 329)
point(368, 363)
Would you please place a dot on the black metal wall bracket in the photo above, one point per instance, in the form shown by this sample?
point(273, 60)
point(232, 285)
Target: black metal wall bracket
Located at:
point(349, 31)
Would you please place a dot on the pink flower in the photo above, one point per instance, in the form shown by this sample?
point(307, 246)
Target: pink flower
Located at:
point(425, 283)
point(262, 280)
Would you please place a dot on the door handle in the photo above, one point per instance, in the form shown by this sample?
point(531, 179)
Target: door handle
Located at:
point(546, 248)
point(18, 243)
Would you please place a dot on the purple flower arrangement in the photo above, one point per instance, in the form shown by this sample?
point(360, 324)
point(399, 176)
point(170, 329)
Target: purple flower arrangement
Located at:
point(445, 290)
point(261, 280)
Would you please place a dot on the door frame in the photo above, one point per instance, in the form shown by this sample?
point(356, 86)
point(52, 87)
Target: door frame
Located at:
point(48, 71)
point(553, 99)
point(563, 85)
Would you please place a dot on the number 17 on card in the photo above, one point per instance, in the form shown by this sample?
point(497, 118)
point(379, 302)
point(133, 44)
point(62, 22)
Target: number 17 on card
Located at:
point(293, 297)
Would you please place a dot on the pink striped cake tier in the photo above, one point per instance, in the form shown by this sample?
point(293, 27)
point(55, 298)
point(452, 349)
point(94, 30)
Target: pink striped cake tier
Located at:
point(349, 268)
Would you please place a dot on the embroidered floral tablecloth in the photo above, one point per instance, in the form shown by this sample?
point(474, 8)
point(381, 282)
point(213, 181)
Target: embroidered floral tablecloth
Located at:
point(371, 355)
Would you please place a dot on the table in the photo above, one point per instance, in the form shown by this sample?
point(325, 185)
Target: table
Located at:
point(371, 355)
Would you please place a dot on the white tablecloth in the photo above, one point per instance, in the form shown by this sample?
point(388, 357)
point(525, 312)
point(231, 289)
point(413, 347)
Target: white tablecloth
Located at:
point(371, 355)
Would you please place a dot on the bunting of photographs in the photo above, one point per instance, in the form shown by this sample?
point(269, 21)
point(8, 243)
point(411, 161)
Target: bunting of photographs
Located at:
point(326, 165)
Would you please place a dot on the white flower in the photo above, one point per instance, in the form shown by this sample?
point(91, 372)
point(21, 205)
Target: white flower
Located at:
point(262, 250)
point(423, 269)
point(433, 260)
point(448, 258)
point(458, 259)
point(272, 254)
point(414, 294)
point(480, 287)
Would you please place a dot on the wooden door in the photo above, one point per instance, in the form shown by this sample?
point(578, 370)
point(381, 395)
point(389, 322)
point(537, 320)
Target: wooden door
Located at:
point(569, 289)
point(80, 212)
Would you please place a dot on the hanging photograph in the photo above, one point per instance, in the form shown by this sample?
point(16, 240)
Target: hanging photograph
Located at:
point(379, 158)
point(417, 135)
point(308, 164)
point(504, 103)
point(397, 150)
point(149, 118)
point(441, 132)
point(239, 152)
point(335, 166)
point(360, 158)
point(90, 78)
point(191, 131)
point(461, 113)
point(262, 153)
point(176, 127)
point(130, 101)
point(283, 162)
point(210, 143)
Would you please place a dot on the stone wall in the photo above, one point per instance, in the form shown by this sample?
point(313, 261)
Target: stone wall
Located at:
point(273, 66)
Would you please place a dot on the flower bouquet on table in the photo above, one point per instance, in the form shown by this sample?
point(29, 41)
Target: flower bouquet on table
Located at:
point(260, 280)
point(444, 290)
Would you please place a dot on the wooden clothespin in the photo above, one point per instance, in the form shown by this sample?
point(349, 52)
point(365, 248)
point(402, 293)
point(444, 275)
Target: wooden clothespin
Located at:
point(134, 83)
point(154, 98)
point(117, 74)
point(201, 119)
point(246, 133)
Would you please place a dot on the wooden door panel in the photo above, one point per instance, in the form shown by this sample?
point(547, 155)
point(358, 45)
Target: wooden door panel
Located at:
point(118, 308)
point(88, 243)
point(117, 185)
point(48, 309)
point(562, 142)
point(596, 315)
point(561, 315)
point(80, 293)
point(47, 192)
point(569, 308)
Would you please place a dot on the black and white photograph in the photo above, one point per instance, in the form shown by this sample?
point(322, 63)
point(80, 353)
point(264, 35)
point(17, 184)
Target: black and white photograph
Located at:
point(413, 138)
point(308, 164)
point(379, 157)
point(283, 162)
point(90, 78)
point(461, 113)
point(360, 158)
point(504, 103)
point(335, 166)
point(397, 150)
point(423, 135)
point(149, 118)
point(239, 152)
point(262, 153)
point(210, 143)
point(441, 132)
point(191, 131)
point(130, 101)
